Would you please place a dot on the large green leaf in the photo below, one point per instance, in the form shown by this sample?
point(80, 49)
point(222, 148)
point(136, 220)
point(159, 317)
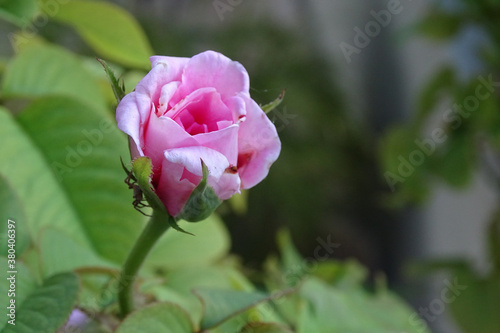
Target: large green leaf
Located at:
point(18, 12)
point(64, 162)
point(87, 147)
point(354, 310)
point(158, 318)
point(43, 197)
point(175, 249)
point(48, 70)
point(109, 30)
point(306, 320)
point(11, 209)
point(220, 305)
point(50, 243)
point(180, 283)
point(48, 307)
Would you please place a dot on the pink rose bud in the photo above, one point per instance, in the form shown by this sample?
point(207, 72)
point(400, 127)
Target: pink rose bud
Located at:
point(190, 115)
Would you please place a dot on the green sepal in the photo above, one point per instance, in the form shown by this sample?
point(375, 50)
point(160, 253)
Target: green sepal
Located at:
point(202, 202)
point(272, 105)
point(142, 171)
point(116, 84)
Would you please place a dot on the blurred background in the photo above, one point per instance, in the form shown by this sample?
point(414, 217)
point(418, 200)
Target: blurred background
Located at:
point(356, 74)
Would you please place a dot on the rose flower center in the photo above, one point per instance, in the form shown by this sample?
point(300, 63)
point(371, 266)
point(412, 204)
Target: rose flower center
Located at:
point(202, 114)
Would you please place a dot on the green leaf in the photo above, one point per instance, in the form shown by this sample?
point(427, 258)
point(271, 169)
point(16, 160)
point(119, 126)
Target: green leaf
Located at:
point(293, 263)
point(48, 307)
point(346, 274)
point(158, 318)
point(109, 30)
point(174, 250)
point(354, 310)
point(49, 70)
point(63, 160)
point(219, 305)
point(274, 104)
point(202, 202)
point(51, 241)
point(11, 209)
point(264, 328)
point(306, 318)
point(180, 282)
point(30, 174)
point(19, 12)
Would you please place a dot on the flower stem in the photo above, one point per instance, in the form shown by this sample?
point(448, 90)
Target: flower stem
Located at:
point(157, 225)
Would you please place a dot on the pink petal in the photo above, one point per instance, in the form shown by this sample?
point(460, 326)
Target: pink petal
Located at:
point(163, 133)
point(259, 146)
point(175, 65)
point(237, 106)
point(173, 189)
point(149, 88)
point(190, 158)
point(212, 69)
point(167, 91)
point(192, 98)
point(224, 141)
point(204, 107)
point(175, 186)
point(227, 185)
point(129, 119)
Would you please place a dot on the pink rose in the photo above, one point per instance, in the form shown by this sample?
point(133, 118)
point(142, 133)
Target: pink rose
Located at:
point(190, 109)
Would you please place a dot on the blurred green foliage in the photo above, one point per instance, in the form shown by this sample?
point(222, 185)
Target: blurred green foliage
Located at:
point(452, 142)
point(451, 146)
